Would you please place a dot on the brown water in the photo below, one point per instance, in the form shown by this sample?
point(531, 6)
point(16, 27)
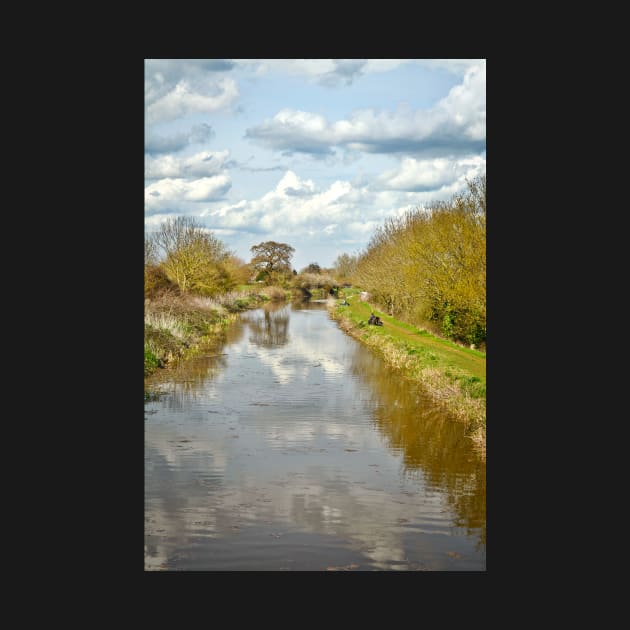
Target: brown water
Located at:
point(298, 449)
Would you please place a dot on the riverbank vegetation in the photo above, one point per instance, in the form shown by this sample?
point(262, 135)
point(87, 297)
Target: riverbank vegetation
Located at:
point(454, 376)
point(177, 325)
point(428, 266)
point(423, 273)
point(193, 287)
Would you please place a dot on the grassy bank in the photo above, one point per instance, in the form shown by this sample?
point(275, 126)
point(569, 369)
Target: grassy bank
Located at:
point(178, 326)
point(453, 375)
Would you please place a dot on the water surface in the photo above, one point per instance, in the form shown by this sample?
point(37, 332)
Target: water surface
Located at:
point(294, 447)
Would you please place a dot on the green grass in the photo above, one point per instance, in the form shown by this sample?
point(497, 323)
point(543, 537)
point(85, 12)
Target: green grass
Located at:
point(151, 362)
point(441, 352)
point(454, 375)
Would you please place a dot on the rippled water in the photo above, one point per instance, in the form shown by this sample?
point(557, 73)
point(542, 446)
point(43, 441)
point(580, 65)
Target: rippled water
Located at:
point(296, 448)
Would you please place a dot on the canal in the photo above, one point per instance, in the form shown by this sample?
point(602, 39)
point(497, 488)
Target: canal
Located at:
point(292, 447)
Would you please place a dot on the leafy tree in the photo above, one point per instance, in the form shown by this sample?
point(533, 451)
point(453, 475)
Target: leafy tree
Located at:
point(274, 259)
point(312, 268)
point(193, 257)
point(430, 265)
point(239, 269)
point(344, 266)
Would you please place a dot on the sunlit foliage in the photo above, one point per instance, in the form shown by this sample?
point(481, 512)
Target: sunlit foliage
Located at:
point(429, 265)
point(193, 258)
point(344, 267)
point(273, 261)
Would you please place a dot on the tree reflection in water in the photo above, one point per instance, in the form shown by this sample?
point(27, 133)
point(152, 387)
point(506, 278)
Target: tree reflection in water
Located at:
point(432, 443)
point(270, 329)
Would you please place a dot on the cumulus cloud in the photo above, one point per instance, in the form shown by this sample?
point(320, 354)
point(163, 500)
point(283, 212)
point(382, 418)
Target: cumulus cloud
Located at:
point(320, 222)
point(296, 206)
point(201, 164)
point(172, 192)
point(455, 125)
point(292, 130)
point(425, 175)
point(187, 97)
point(162, 75)
point(155, 144)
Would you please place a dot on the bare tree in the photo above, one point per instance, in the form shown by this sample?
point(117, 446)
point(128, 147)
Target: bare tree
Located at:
point(150, 250)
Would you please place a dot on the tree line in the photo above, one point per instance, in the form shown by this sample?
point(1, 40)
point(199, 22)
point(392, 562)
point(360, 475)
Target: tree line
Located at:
point(426, 266)
point(185, 257)
point(429, 265)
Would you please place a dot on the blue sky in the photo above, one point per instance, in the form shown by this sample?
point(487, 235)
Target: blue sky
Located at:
point(315, 153)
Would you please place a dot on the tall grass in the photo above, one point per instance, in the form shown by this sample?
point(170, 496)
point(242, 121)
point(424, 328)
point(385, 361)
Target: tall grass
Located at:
point(274, 293)
point(165, 321)
point(176, 325)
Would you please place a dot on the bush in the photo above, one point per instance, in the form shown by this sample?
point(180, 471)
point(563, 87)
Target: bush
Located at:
point(156, 282)
point(274, 293)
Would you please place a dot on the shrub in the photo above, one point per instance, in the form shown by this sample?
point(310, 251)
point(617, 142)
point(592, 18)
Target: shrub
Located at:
point(157, 282)
point(274, 293)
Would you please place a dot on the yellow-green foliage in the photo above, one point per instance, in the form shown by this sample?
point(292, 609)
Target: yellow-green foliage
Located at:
point(345, 266)
point(239, 270)
point(430, 264)
point(194, 259)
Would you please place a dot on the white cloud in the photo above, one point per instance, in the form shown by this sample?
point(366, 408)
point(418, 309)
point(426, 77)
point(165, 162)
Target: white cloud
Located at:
point(466, 103)
point(339, 209)
point(175, 142)
point(184, 98)
point(166, 192)
point(200, 164)
point(154, 221)
point(455, 125)
point(423, 175)
point(322, 70)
